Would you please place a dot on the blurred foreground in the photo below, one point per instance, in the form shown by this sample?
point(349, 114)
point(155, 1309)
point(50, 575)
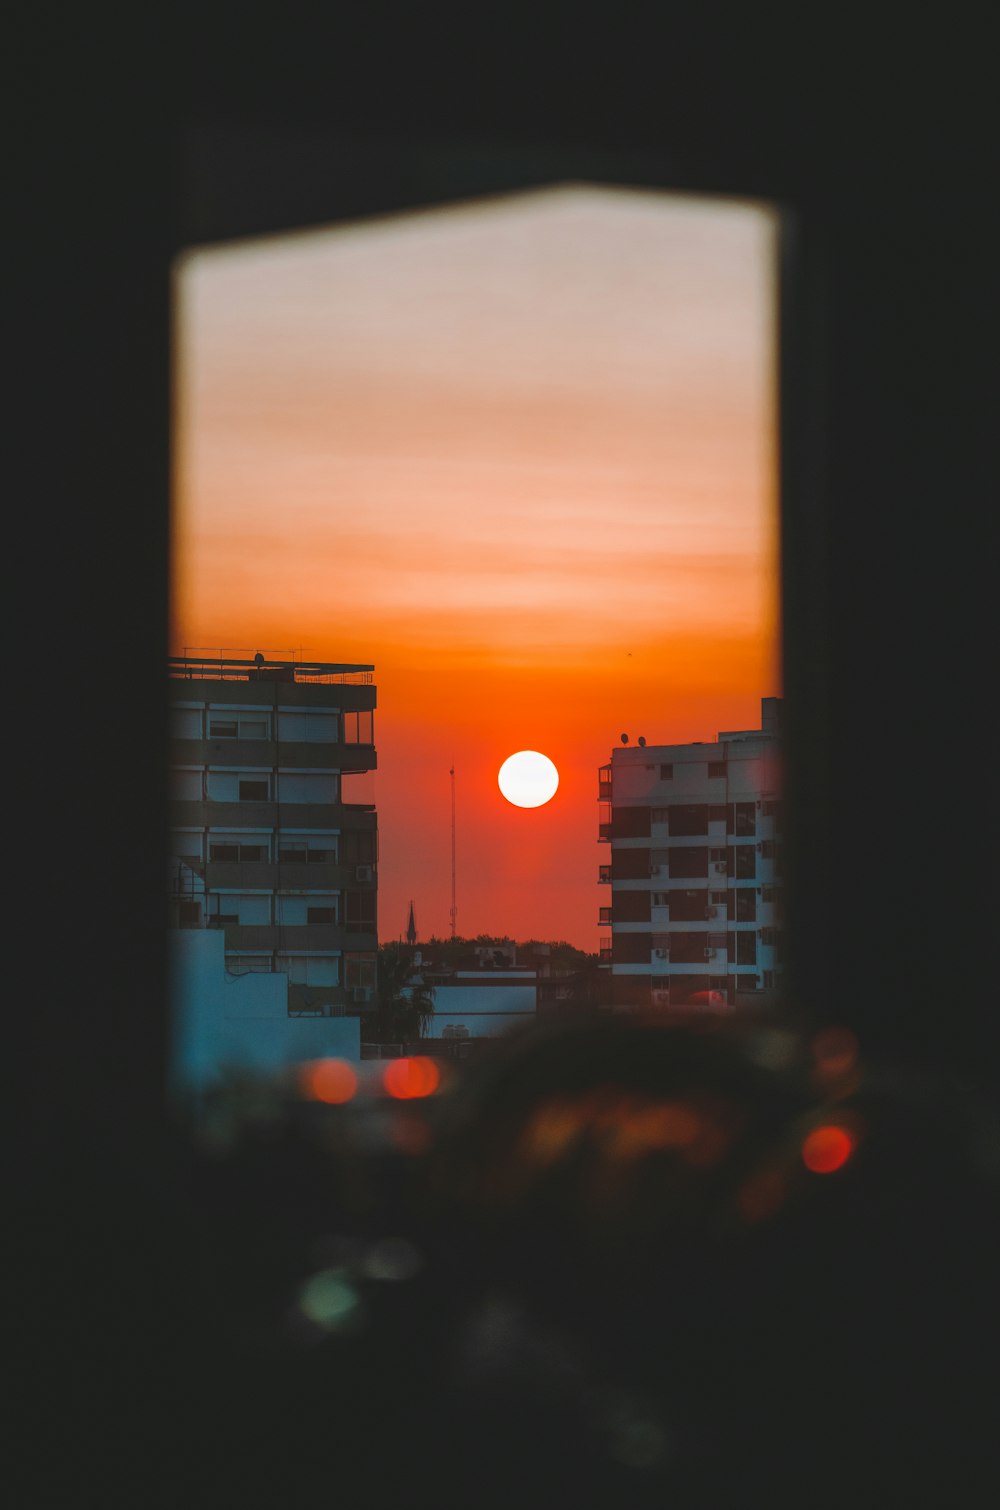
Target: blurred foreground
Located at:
point(610, 1263)
point(606, 1263)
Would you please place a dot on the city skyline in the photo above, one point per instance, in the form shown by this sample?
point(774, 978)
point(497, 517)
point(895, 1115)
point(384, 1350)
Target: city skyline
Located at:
point(521, 456)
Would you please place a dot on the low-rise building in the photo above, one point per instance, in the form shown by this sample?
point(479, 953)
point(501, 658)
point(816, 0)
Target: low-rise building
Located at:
point(223, 1022)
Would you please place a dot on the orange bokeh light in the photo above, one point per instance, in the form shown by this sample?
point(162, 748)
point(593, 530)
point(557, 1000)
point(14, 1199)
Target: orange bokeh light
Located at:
point(827, 1148)
point(329, 1080)
point(407, 1079)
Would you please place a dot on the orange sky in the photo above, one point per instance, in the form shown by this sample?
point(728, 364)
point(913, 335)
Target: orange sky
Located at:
point(521, 455)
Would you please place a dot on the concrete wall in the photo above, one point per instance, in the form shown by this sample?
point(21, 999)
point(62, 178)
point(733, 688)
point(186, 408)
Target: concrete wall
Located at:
point(220, 1021)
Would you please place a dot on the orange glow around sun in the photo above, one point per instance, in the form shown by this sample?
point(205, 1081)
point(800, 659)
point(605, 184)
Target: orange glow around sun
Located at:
point(519, 455)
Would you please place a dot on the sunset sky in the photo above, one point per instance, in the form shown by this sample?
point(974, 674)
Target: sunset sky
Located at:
point(520, 455)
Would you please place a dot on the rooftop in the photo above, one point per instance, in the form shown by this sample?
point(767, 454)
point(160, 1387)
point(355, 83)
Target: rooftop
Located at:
point(259, 669)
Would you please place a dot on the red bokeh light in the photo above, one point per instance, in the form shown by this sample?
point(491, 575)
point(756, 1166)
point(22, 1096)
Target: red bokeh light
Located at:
point(835, 1053)
point(827, 1148)
point(406, 1079)
point(329, 1080)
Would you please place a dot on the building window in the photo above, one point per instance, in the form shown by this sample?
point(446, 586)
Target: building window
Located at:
point(716, 768)
point(359, 971)
point(358, 847)
point(360, 916)
point(305, 851)
point(661, 899)
point(185, 723)
point(327, 916)
point(746, 862)
point(718, 896)
point(746, 906)
point(688, 819)
point(359, 728)
point(746, 948)
point(630, 823)
point(229, 850)
point(238, 728)
point(254, 791)
point(685, 862)
point(189, 914)
point(688, 906)
point(773, 809)
point(667, 771)
point(745, 819)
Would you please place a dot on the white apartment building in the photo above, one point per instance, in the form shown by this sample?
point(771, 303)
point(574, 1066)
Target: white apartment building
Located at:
point(694, 870)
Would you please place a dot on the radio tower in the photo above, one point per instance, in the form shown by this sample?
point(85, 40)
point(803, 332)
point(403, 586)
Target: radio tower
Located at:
point(454, 908)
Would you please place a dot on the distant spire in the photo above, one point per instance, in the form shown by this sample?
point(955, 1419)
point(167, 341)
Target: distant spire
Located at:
point(411, 928)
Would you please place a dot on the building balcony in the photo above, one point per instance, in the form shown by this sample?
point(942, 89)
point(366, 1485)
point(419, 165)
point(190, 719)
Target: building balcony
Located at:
point(186, 813)
point(289, 754)
point(604, 832)
point(604, 918)
point(604, 875)
point(294, 938)
point(287, 875)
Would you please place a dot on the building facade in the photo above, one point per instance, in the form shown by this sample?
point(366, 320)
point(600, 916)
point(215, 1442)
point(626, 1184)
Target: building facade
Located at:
point(694, 870)
point(262, 845)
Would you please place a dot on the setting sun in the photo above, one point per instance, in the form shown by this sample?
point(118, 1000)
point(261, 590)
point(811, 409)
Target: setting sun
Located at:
point(528, 779)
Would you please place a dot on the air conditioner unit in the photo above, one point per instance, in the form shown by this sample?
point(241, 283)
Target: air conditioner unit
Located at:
point(361, 993)
point(655, 870)
point(661, 953)
point(709, 953)
point(363, 872)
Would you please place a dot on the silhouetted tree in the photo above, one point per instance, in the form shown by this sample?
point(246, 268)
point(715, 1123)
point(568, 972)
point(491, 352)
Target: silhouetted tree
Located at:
point(405, 1004)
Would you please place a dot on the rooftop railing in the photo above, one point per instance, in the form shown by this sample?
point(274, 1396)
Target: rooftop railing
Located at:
point(228, 669)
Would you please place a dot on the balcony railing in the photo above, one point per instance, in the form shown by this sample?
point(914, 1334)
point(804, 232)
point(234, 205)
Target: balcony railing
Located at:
point(604, 875)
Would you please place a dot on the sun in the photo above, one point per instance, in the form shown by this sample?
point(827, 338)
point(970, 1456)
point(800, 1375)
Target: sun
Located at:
point(528, 779)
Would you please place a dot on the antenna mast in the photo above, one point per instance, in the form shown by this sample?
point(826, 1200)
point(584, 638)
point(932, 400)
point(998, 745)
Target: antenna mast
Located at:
point(454, 909)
